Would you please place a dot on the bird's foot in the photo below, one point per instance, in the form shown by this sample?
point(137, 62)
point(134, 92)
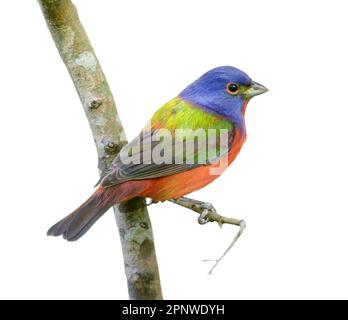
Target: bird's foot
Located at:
point(201, 218)
point(206, 209)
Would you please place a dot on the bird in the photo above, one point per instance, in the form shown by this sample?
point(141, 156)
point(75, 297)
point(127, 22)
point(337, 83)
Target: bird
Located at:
point(213, 105)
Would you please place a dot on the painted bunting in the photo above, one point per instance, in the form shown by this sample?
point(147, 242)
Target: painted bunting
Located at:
point(159, 169)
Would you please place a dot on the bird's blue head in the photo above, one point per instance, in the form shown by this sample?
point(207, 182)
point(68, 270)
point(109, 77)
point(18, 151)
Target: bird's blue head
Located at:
point(223, 91)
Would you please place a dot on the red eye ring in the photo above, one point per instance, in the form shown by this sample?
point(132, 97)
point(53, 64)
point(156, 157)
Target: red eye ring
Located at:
point(232, 88)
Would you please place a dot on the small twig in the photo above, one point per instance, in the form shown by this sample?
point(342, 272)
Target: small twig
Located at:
point(207, 213)
point(242, 226)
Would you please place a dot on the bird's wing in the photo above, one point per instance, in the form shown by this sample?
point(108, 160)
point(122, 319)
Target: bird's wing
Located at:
point(180, 138)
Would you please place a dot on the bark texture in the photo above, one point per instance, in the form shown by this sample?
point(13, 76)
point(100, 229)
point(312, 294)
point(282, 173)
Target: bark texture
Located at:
point(132, 217)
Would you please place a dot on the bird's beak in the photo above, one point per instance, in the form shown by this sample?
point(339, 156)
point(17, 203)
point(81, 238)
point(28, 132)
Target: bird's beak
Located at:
point(255, 89)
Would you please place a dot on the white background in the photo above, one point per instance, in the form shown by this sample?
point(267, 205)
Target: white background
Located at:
point(289, 183)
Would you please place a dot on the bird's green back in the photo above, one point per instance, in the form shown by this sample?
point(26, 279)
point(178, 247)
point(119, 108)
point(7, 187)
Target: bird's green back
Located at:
point(179, 114)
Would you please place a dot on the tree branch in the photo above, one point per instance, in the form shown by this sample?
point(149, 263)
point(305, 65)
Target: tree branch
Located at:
point(208, 214)
point(132, 217)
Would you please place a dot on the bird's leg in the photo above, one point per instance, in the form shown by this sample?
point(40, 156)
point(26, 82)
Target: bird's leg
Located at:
point(207, 213)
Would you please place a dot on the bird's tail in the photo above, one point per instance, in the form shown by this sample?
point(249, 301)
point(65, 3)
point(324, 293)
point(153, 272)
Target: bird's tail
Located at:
point(76, 224)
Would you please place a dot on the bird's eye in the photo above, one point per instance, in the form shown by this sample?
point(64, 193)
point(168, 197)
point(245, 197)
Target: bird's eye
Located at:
point(232, 88)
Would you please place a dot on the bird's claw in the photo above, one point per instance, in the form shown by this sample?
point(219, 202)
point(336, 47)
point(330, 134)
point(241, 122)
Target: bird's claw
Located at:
point(201, 219)
point(206, 205)
point(207, 208)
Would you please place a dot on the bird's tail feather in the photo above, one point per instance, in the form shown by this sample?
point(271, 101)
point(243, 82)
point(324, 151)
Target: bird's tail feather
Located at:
point(76, 224)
